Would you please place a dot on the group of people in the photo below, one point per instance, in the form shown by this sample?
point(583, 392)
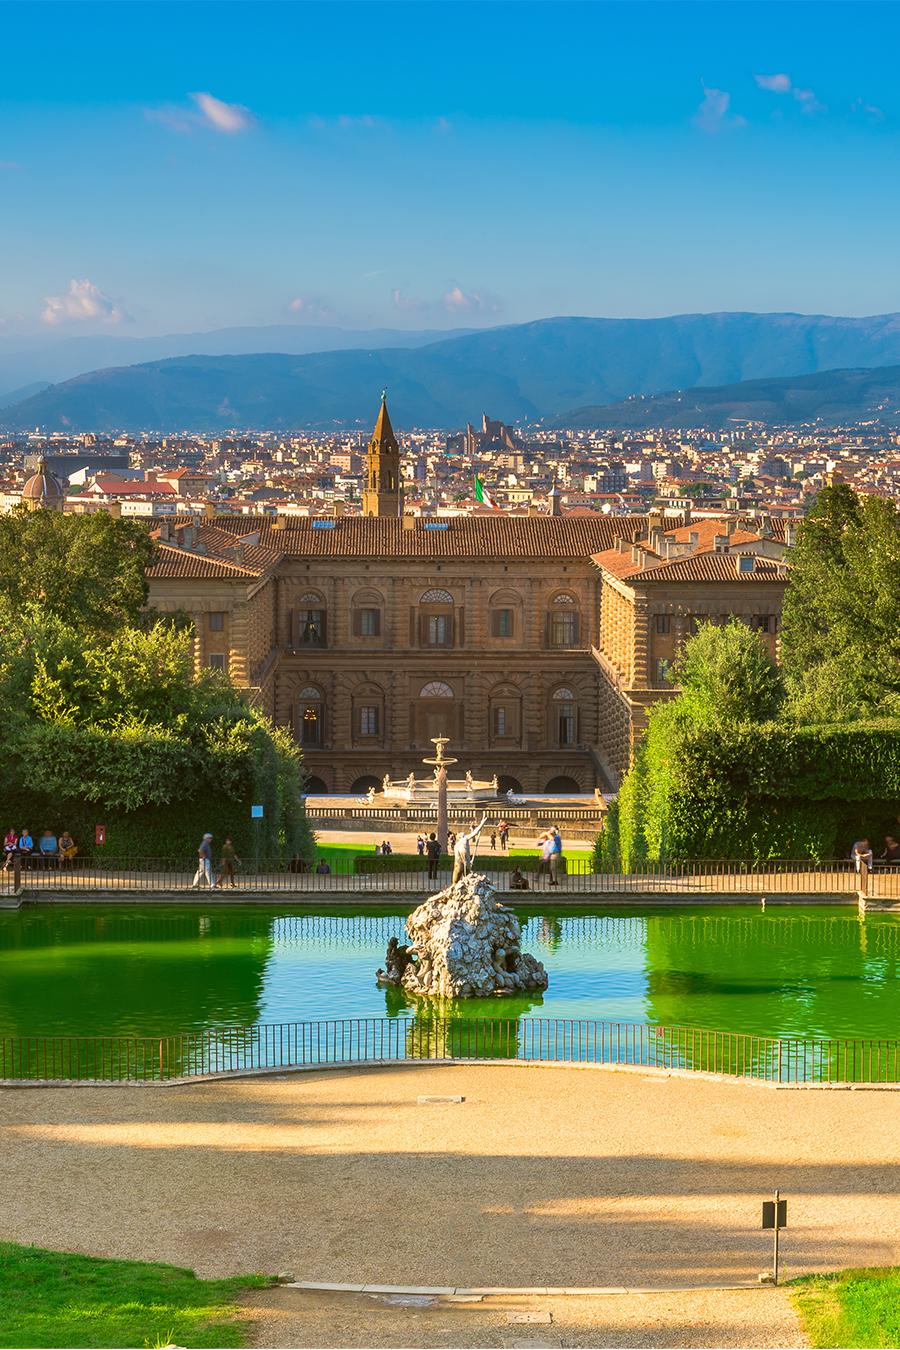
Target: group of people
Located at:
point(215, 879)
point(862, 852)
point(19, 846)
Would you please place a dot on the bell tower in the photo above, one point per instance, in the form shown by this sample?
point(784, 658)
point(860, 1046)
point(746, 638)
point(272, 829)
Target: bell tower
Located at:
point(383, 493)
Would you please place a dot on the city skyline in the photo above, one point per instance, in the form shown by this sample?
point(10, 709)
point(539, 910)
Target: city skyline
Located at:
point(186, 167)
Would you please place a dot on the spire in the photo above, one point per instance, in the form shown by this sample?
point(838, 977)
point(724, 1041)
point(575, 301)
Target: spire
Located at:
point(383, 495)
point(383, 437)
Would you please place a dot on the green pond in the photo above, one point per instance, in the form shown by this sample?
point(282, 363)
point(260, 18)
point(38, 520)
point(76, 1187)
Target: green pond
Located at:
point(154, 971)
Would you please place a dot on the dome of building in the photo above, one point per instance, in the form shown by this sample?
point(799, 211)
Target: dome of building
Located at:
point(42, 489)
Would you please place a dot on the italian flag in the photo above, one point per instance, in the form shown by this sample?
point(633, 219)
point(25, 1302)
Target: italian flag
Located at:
point(482, 495)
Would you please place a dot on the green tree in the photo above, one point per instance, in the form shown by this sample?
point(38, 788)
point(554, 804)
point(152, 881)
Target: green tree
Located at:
point(726, 675)
point(87, 570)
point(840, 630)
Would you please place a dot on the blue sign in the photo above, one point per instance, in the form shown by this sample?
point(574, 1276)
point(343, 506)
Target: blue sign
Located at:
point(323, 524)
point(437, 525)
point(256, 813)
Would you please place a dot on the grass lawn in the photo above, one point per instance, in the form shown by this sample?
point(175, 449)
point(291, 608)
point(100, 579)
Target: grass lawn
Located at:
point(60, 1299)
point(850, 1308)
point(344, 853)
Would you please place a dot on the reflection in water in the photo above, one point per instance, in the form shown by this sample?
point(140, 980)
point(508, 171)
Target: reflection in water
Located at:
point(152, 972)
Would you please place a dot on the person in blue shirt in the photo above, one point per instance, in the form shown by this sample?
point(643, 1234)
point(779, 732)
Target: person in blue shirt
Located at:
point(556, 849)
point(25, 846)
point(48, 847)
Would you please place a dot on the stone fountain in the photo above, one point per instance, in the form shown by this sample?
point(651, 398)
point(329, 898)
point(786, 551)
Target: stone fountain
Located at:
point(463, 943)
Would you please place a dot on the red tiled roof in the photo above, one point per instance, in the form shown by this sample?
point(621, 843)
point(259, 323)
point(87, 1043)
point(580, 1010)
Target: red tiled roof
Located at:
point(710, 566)
point(132, 487)
point(496, 535)
point(177, 563)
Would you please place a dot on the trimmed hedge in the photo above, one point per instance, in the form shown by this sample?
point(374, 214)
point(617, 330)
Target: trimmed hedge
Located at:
point(757, 791)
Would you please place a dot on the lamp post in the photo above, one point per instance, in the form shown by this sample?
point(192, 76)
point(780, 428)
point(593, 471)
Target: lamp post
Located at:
point(441, 764)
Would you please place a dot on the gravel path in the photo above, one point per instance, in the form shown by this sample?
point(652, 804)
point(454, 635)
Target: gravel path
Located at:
point(746, 1318)
point(543, 1175)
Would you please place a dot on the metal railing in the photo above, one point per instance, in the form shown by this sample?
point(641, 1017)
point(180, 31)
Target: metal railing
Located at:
point(292, 1045)
point(409, 876)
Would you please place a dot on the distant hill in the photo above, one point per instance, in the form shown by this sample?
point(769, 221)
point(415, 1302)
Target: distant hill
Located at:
point(527, 371)
point(39, 358)
point(831, 397)
point(25, 391)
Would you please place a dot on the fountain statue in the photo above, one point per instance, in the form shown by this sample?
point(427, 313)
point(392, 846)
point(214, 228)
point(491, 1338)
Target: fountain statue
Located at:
point(463, 943)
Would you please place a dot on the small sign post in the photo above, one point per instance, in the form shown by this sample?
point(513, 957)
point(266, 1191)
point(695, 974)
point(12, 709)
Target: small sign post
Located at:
point(99, 834)
point(774, 1216)
point(256, 815)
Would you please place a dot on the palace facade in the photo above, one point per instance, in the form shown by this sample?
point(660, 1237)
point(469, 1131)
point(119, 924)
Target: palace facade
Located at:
point(536, 643)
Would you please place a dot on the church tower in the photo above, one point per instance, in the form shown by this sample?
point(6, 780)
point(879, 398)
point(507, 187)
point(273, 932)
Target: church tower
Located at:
point(383, 494)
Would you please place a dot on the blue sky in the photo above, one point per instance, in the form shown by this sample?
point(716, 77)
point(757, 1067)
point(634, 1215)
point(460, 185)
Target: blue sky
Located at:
point(171, 166)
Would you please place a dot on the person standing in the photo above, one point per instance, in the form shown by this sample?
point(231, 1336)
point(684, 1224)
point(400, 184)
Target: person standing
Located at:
point(556, 849)
point(204, 865)
point(545, 843)
point(420, 845)
point(227, 860)
point(493, 841)
point(503, 829)
point(433, 849)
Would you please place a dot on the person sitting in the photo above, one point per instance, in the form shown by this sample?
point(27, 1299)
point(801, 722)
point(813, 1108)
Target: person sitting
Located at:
point(322, 868)
point(518, 881)
point(10, 843)
point(891, 855)
point(25, 845)
point(48, 848)
point(860, 853)
point(67, 846)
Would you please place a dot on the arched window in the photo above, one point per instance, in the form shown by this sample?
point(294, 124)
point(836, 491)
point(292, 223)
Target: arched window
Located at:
point(563, 784)
point(368, 608)
point(563, 621)
point(505, 705)
point(565, 718)
point(435, 689)
point(436, 712)
point(311, 718)
point(436, 619)
point(368, 714)
point(311, 618)
point(506, 615)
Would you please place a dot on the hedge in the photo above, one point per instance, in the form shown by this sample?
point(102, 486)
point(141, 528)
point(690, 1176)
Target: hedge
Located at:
point(757, 791)
point(405, 862)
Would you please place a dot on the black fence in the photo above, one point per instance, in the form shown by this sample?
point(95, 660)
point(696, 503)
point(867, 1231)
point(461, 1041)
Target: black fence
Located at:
point(409, 875)
point(294, 1045)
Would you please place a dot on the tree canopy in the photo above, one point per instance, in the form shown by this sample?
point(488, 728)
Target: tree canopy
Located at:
point(727, 675)
point(841, 621)
point(90, 571)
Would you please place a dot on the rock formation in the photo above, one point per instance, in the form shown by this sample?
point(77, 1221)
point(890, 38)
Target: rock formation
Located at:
point(463, 943)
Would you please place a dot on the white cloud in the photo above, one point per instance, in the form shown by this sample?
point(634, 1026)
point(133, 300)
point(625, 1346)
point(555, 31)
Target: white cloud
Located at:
point(870, 110)
point(783, 84)
point(453, 301)
point(225, 117)
point(209, 113)
point(714, 113)
point(458, 301)
point(310, 308)
point(776, 84)
point(82, 302)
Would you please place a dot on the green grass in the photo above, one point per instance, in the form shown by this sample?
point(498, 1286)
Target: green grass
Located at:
point(342, 853)
point(850, 1308)
point(61, 1299)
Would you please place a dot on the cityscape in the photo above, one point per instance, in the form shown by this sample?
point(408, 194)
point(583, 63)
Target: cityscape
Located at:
point(450, 675)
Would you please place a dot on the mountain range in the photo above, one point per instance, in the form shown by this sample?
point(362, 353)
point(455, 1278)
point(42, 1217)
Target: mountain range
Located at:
point(832, 397)
point(606, 369)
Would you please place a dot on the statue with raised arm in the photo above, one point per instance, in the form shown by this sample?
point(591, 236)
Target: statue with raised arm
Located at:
point(462, 850)
point(386, 784)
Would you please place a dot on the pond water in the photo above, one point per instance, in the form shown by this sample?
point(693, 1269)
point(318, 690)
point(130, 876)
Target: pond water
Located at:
point(156, 971)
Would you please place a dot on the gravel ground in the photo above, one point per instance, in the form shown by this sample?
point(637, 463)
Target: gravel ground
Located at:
point(542, 1176)
point(755, 1317)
